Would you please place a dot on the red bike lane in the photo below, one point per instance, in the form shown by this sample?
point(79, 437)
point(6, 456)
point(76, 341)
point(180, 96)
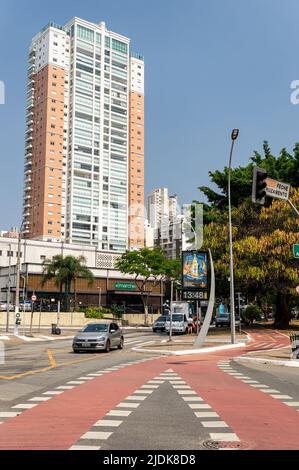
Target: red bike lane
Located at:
point(260, 421)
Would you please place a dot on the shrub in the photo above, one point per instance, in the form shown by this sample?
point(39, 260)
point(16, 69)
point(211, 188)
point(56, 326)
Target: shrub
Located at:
point(251, 313)
point(94, 312)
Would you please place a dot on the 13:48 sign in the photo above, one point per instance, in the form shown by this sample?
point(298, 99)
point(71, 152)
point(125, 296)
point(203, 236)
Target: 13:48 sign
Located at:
point(195, 295)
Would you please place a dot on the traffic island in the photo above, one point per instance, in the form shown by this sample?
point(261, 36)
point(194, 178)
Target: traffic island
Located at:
point(178, 347)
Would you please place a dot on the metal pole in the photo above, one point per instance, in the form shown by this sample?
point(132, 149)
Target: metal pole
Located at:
point(17, 300)
point(293, 207)
point(171, 297)
point(239, 308)
point(31, 319)
point(40, 315)
point(8, 291)
point(231, 259)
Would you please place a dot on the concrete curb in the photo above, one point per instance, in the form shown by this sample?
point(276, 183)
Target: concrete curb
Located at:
point(258, 360)
point(189, 351)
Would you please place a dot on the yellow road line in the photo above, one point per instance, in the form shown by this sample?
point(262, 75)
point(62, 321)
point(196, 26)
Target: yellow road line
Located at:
point(45, 369)
point(51, 359)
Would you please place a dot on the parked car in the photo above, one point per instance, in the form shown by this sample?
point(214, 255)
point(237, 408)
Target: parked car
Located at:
point(222, 320)
point(3, 307)
point(98, 336)
point(159, 324)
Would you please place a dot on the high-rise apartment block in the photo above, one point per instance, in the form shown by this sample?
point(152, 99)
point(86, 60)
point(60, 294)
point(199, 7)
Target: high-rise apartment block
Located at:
point(84, 161)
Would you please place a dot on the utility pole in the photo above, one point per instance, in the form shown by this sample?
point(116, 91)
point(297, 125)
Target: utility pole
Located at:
point(17, 301)
point(8, 291)
point(234, 136)
point(170, 313)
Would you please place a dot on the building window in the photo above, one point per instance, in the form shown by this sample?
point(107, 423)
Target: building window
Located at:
point(42, 257)
point(119, 46)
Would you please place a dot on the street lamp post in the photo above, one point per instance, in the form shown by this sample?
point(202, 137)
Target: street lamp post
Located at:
point(234, 137)
point(8, 291)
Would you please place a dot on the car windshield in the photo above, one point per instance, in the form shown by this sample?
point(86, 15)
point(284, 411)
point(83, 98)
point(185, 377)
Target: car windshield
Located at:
point(177, 317)
point(95, 328)
point(162, 318)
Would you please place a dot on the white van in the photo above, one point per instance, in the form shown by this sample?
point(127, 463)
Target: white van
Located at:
point(180, 314)
point(179, 323)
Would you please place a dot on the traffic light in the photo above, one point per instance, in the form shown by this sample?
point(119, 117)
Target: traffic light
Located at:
point(259, 185)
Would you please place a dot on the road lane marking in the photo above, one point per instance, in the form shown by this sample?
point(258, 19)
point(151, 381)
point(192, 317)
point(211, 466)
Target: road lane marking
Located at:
point(282, 397)
point(9, 414)
point(128, 405)
point(65, 387)
point(214, 424)
point(25, 406)
point(96, 435)
point(186, 392)
point(291, 403)
point(108, 422)
point(119, 413)
point(54, 392)
point(198, 406)
point(85, 448)
point(206, 414)
point(138, 397)
point(189, 399)
point(144, 392)
point(224, 437)
point(76, 382)
point(40, 399)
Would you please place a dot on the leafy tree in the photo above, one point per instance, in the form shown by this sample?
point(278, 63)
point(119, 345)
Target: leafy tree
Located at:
point(251, 313)
point(285, 168)
point(149, 266)
point(263, 260)
point(66, 270)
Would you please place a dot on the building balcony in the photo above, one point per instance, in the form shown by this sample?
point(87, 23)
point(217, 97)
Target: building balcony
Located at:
point(29, 146)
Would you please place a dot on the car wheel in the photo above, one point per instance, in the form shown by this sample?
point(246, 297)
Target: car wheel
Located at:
point(154, 330)
point(107, 349)
point(121, 344)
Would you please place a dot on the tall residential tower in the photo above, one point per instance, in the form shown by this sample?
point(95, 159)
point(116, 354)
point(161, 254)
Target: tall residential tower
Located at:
point(84, 161)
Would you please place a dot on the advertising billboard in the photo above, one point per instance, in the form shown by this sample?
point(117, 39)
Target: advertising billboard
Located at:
point(195, 270)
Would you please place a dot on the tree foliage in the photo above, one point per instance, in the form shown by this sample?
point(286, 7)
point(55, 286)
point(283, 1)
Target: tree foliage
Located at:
point(148, 265)
point(262, 236)
point(65, 271)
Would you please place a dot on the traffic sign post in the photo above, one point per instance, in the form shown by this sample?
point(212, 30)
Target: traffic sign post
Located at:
point(33, 299)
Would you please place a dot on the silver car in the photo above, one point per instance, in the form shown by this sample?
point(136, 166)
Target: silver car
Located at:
point(97, 337)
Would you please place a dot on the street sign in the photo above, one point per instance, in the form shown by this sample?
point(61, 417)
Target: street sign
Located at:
point(296, 251)
point(277, 189)
point(33, 297)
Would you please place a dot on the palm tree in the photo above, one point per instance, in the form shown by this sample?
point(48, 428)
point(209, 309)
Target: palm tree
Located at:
point(65, 271)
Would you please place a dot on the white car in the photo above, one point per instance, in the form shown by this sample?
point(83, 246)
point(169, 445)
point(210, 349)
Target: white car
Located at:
point(179, 323)
point(3, 307)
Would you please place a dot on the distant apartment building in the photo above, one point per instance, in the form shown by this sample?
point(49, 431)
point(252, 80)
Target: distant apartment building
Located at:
point(164, 225)
point(84, 158)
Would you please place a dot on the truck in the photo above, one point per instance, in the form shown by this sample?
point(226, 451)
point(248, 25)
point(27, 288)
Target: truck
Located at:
point(180, 314)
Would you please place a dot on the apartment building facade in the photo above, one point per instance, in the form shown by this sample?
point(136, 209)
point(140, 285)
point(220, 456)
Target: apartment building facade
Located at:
point(84, 157)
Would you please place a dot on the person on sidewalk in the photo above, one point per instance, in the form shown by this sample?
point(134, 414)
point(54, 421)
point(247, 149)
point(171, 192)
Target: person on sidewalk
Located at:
point(190, 326)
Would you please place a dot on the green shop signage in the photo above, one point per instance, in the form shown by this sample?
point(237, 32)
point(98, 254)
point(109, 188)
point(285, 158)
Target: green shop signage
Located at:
point(125, 286)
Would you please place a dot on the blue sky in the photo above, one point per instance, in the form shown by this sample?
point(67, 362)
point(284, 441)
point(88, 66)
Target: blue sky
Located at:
point(210, 66)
